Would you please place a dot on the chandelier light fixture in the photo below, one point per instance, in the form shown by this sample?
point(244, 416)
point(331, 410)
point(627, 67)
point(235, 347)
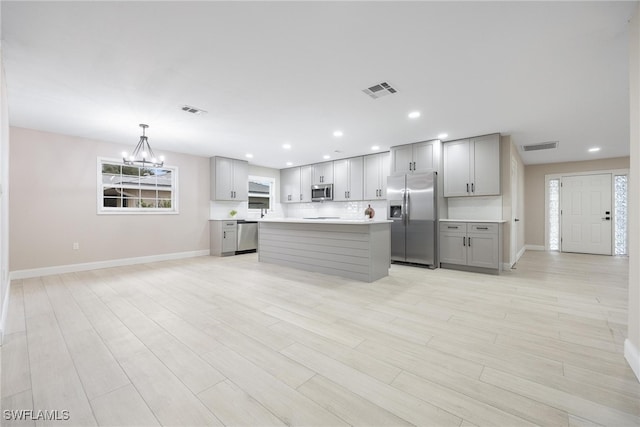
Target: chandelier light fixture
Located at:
point(143, 154)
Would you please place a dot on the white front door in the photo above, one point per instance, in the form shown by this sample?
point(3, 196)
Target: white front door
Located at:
point(587, 214)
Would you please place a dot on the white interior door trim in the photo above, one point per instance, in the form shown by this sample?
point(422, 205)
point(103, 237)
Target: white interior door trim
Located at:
point(549, 177)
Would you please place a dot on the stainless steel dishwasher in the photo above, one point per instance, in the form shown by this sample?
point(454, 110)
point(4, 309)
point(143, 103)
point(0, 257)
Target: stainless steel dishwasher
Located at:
point(247, 237)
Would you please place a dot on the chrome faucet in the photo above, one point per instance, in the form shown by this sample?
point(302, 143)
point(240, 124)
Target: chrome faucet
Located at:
point(263, 212)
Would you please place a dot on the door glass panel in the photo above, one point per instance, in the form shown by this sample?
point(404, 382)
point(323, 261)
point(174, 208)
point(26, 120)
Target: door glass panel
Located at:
point(554, 214)
point(620, 212)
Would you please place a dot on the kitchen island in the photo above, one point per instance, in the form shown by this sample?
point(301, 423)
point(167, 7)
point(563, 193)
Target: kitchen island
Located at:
point(356, 249)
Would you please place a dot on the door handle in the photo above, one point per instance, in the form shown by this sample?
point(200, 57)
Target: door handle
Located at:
point(516, 219)
point(408, 194)
point(224, 234)
point(467, 187)
point(464, 241)
point(473, 189)
point(469, 241)
point(606, 218)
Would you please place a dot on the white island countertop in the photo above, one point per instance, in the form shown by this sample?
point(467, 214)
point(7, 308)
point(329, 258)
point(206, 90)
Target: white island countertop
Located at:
point(492, 221)
point(326, 221)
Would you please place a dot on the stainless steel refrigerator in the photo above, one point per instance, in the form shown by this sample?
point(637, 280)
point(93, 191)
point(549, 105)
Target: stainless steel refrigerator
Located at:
point(411, 200)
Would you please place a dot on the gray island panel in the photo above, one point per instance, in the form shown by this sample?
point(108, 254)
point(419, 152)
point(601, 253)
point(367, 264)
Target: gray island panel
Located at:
point(354, 249)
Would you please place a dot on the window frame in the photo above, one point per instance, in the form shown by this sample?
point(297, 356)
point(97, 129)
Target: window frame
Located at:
point(102, 210)
point(272, 191)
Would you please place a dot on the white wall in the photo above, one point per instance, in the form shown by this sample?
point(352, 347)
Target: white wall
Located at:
point(632, 344)
point(53, 204)
point(4, 200)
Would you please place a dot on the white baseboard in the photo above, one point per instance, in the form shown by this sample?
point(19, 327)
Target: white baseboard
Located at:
point(508, 266)
point(632, 355)
point(70, 268)
point(534, 248)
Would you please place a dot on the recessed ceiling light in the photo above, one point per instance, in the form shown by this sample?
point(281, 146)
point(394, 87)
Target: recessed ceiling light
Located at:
point(443, 135)
point(289, 163)
point(414, 114)
point(249, 155)
point(326, 156)
point(594, 149)
point(338, 133)
point(286, 146)
point(375, 147)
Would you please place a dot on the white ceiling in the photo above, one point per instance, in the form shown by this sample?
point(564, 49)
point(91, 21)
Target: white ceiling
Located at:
point(270, 73)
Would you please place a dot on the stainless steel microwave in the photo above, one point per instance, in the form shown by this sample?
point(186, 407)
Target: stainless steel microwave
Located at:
point(321, 192)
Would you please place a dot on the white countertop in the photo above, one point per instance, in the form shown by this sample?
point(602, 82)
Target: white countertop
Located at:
point(492, 221)
point(326, 221)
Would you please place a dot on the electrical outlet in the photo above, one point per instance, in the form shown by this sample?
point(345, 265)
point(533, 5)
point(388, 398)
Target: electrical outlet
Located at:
point(76, 246)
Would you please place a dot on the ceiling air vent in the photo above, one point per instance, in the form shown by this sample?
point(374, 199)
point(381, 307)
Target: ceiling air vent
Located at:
point(380, 90)
point(192, 110)
point(541, 146)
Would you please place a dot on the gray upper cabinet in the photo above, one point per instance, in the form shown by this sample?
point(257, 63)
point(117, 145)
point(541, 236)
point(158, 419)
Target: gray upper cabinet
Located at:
point(421, 156)
point(472, 167)
point(306, 177)
point(323, 173)
point(295, 184)
point(376, 171)
point(289, 185)
point(348, 175)
point(230, 179)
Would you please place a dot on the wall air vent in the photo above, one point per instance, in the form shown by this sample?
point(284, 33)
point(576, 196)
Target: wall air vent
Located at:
point(379, 90)
point(192, 110)
point(541, 146)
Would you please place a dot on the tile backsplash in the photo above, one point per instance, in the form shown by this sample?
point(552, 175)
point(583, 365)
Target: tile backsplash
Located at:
point(487, 208)
point(344, 210)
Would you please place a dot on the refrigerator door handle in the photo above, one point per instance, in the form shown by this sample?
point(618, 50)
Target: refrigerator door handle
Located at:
point(407, 204)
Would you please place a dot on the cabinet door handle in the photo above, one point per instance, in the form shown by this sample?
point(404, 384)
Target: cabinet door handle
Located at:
point(464, 241)
point(482, 228)
point(469, 241)
point(473, 190)
point(454, 227)
point(300, 196)
point(467, 187)
point(414, 165)
point(224, 234)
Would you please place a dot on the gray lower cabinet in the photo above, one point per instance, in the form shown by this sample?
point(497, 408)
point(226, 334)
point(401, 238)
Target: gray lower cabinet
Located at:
point(476, 246)
point(223, 237)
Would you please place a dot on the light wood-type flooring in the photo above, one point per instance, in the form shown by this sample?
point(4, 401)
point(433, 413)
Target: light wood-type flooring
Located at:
point(230, 341)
